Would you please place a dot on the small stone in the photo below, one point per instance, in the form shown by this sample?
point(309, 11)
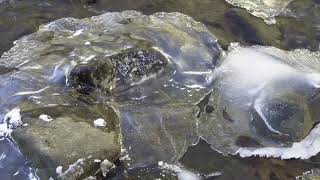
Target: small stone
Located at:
point(106, 166)
point(45, 117)
point(100, 123)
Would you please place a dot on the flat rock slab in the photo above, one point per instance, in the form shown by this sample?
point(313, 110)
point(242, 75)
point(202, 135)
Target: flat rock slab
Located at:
point(70, 136)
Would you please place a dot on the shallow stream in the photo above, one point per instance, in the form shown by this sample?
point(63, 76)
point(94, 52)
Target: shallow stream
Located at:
point(179, 90)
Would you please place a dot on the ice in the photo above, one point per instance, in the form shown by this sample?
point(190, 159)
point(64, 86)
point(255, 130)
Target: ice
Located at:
point(264, 93)
point(182, 173)
point(59, 170)
point(4, 130)
point(308, 147)
point(13, 118)
point(78, 32)
point(31, 92)
point(72, 171)
point(266, 9)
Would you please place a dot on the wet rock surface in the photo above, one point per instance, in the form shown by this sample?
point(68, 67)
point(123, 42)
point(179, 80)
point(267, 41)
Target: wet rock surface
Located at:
point(70, 136)
point(157, 72)
point(117, 72)
point(266, 10)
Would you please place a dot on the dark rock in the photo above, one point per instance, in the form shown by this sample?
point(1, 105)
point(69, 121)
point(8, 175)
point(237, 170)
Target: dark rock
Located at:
point(123, 69)
point(5, 70)
point(209, 109)
point(96, 74)
point(134, 65)
point(248, 32)
point(226, 115)
point(244, 141)
point(280, 120)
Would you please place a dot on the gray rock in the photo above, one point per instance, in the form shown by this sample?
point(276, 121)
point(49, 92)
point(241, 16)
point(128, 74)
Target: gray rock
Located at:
point(266, 10)
point(70, 136)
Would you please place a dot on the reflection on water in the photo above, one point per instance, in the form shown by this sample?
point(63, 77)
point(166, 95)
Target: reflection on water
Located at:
point(228, 23)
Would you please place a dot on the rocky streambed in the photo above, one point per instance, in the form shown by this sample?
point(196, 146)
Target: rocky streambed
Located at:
point(128, 95)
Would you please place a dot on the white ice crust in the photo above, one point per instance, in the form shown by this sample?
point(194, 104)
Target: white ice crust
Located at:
point(182, 173)
point(11, 120)
point(308, 147)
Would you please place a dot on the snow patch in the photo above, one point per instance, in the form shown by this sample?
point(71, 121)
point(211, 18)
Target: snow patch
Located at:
point(77, 33)
point(33, 176)
point(11, 121)
point(4, 131)
point(45, 117)
point(182, 173)
point(13, 118)
point(74, 170)
point(100, 123)
point(59, 170)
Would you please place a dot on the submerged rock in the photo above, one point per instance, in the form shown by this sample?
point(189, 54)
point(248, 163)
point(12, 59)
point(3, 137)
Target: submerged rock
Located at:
point(66, 139)
point(169, 85)
point(118, 71)
point(87, 78)
point(156, 68)
point(270, 95)
point(266, 10)
point(284, 117)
